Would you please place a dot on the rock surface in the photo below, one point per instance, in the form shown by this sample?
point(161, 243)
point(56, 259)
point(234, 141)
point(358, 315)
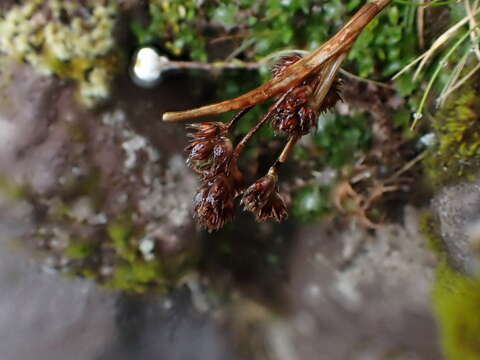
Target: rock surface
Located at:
point(458, 210)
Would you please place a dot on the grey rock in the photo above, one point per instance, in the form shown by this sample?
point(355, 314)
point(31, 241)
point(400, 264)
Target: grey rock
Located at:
point(358, 295)
point(458, 210)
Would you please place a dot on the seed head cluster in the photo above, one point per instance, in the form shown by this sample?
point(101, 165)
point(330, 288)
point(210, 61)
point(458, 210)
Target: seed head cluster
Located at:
point(213, 156)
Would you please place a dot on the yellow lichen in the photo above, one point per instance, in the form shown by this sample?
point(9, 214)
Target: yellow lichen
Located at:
point(70, 39)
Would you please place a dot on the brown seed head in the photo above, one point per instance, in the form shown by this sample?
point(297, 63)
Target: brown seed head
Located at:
point(284, 62)
point(262, 199)
point(210, 150)
point(214, 203)
point(294, 116)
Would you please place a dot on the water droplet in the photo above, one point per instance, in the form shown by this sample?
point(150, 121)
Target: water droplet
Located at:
point(417, 116)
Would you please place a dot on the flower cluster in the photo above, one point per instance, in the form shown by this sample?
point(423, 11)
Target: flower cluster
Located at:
point(263, 199)
point(212, 155)
point(296, 115)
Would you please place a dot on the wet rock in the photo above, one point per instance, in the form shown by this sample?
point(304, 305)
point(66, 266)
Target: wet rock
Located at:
point(168, 328)
point(359, 295)
point(100, 180)
point(458, 211)
point(46, 316)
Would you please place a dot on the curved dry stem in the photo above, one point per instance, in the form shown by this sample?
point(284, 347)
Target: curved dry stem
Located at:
point(296, 73)
point(327, 76)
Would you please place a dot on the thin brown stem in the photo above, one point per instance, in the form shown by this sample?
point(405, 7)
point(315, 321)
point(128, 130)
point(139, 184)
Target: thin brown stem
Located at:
point(241, 145)
point(287, 150)
point(237, 117)
point(296, 73)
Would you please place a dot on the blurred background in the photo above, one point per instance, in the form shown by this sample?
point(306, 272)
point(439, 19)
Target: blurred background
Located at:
point(100, 256)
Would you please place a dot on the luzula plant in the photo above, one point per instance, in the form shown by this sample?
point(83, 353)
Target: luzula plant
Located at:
point(302, 88)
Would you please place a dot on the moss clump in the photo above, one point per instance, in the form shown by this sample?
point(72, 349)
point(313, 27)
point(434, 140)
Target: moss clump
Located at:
point(457, 127)
point(70, 39)
point(456, 300)
point(429, 228)
point(80, 249)
point(12, 190)
point(132, 272)
point(259, 27)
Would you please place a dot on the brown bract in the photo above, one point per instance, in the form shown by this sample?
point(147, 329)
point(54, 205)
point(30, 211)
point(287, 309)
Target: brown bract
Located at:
point(263, 200)
point(210, 149)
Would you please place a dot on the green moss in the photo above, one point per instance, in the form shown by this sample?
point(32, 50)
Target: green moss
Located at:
point(311, 202)
point(259, 28)
point(80, 249)
point(341, 138)
point(429, 229)
point(456, 300)
point(457, 127)
point(12, 190)
point(138, 276)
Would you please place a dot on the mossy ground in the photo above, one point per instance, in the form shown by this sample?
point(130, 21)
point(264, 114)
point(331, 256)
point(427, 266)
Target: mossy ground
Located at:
point(456, 156)
point(456, 299)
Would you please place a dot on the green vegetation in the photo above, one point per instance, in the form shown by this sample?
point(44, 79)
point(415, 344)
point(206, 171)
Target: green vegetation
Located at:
point(456, 298)
point(341, 138)
point(132, 272)
point(311, 202)
point(429, 229)
point(456, 126)
point(260, 28)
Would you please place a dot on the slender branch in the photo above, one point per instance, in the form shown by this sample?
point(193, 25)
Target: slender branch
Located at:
point(237, 117)
point(258, 125)
point(296, 73)
point(287, 150)
point(327, 76)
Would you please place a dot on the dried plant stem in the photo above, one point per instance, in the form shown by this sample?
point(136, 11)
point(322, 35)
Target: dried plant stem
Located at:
point(473, 24)
point(327, 77)
point(296, 73)
point(421, 25)
point(460, 82)
point(445, 37)
point(287, 150)
point(211, 67)
point(237, 117)
point(361, 79)
point(241, 145)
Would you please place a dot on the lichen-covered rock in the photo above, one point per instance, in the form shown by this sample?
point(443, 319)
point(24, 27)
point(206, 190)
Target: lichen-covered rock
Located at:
point(456, 156)
point(110, 191)
point(457, 208)
point(358, 295)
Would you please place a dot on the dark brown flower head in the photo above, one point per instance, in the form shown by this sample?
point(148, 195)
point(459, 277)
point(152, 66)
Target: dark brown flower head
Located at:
point(210, 149)
point(207, 130)
point(214, 202)
point(333, 96)
point(294, 116)
point(262, 199)
point(284, 62)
